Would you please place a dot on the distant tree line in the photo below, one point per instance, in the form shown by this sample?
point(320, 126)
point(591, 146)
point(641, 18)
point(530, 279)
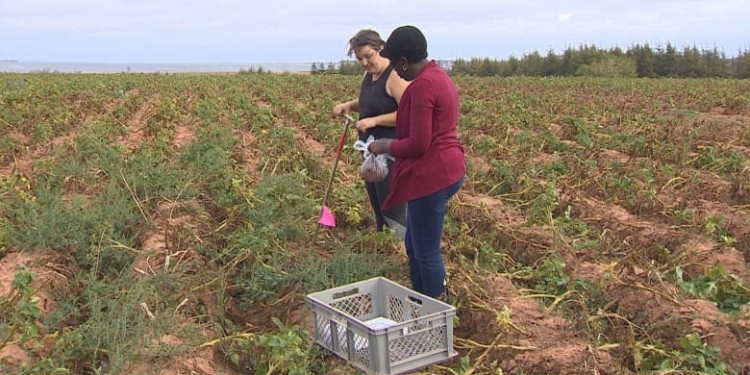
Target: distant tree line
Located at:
point(350, 67)
point(345, 67)
point(253, 70)
point(637, 61)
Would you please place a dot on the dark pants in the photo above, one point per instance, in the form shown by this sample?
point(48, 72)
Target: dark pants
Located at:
point(424, 229)
point(394, 217)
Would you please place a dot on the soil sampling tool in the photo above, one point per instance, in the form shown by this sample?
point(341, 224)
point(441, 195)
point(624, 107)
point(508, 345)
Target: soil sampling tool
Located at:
point(326, 216)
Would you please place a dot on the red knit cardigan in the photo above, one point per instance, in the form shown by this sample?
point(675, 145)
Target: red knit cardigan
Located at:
point(429, 157)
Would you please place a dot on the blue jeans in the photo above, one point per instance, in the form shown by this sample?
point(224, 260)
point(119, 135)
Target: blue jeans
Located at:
point(424, 229)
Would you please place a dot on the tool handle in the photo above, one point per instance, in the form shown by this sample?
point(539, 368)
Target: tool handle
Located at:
point(348, 121)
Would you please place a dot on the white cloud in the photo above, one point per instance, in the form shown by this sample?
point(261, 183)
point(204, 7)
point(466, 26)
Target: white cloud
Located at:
point(314, 30)
point(724, 6)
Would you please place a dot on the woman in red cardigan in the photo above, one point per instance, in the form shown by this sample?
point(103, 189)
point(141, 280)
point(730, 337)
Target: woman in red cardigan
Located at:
point(430, 162)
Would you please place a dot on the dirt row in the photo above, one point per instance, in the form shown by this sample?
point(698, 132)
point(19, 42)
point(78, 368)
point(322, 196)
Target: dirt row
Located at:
point(499, 322)
point(636, 300)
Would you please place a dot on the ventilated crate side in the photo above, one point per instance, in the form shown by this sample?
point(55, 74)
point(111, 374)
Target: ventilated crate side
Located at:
point(418, 330)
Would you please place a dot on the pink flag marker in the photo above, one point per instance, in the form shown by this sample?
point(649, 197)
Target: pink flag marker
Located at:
point(326, 217)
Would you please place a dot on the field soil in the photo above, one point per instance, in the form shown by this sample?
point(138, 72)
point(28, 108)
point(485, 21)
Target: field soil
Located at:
point(578, 258)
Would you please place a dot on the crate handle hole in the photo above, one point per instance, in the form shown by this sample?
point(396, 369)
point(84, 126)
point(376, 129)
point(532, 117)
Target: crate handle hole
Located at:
point(414, 300)
point(346, 293)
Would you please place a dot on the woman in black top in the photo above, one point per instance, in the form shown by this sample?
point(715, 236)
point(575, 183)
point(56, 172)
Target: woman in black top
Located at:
point(378, 100)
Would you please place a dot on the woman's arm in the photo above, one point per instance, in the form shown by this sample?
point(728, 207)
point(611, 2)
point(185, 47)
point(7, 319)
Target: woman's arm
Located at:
point(420, 115)
point(387, 119)
point(346, 107)
point(420, 110)
point(394, 87)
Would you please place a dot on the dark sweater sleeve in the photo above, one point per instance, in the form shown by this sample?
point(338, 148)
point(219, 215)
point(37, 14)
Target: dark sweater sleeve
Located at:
point(421, 107)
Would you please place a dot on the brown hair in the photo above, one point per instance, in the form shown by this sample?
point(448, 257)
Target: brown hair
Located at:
point(363, 38)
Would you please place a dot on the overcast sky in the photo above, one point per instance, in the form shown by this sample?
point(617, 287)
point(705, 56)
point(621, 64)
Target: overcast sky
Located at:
point(235, 31)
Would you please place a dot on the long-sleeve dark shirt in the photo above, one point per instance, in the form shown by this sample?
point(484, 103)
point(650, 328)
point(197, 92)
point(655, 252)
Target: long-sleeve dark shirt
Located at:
point(429, 157)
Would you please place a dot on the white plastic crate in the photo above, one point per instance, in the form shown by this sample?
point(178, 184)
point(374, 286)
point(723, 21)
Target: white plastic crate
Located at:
point(382, 327)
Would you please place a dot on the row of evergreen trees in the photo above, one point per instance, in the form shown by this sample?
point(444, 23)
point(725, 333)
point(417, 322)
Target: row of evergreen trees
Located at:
point(346, 67)
point(636, 61)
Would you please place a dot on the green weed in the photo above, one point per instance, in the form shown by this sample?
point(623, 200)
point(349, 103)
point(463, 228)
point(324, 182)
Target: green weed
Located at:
point(728, 292)
point(551, 277)
point(727, 161)
point(123, 322)
point(19, 311)
point(716, 227)
point(209, 164)
point(544, 204)
point(691, 356)
point(286, 351)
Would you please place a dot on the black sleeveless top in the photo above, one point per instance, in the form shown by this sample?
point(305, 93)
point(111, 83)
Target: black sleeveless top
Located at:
point(375, 101)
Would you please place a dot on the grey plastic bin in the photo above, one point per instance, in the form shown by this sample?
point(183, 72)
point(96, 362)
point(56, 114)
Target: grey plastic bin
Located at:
point(382, 327)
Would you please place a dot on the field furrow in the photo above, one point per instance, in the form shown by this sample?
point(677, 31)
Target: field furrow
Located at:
point(164, 224)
